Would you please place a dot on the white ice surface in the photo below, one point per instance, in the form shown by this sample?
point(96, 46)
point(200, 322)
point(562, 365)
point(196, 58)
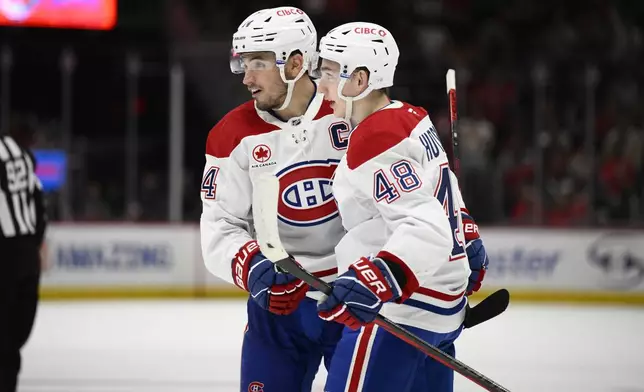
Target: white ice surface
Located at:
point(194, 346)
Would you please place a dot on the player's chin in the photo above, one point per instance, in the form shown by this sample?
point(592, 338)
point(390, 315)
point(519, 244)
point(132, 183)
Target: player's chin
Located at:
point(338, 112)
point(263, 104)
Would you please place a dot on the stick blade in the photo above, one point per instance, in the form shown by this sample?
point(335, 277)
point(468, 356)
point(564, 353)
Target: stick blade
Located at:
point(265, 198)
point(490, 307)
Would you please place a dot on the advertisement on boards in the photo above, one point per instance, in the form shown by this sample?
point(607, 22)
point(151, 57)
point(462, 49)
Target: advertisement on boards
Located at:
point(589, 260)
point(536, 263)
point(117, 255)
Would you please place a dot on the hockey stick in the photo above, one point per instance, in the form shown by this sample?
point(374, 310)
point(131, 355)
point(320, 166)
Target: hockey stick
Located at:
point(498, 302)
point(265, 198)
point(453, 156)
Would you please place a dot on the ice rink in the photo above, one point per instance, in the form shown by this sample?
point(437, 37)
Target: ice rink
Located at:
point(193, 346)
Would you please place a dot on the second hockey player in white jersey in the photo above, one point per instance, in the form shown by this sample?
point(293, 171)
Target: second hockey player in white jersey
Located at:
point(405, 253)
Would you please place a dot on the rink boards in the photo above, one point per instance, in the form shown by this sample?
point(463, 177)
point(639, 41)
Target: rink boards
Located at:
point(133, 261)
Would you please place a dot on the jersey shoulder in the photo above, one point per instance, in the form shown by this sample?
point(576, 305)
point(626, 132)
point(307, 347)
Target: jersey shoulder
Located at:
point(241, 122)
point(382, 130)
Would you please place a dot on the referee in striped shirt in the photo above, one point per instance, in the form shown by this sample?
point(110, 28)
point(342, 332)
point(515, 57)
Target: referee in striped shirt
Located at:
point(22, 228)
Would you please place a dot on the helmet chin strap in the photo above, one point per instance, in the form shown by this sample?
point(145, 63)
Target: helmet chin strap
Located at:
point(349, 100)
point(290, 85)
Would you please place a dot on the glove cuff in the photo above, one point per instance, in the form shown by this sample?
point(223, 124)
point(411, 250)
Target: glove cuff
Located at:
point(241, 263)
point(390, 277)
point(376, 276)
point(470, 228)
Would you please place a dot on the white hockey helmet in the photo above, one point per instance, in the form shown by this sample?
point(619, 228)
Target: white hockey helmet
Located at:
point(361, 44)
point(281, 30)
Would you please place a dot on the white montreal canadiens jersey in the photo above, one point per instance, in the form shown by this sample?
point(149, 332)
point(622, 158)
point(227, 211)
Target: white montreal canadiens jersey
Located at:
point(303, 153)
point(400, 201)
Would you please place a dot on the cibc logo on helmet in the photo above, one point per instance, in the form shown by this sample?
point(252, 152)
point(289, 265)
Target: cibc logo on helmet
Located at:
point(292, 11)
point(370, 30)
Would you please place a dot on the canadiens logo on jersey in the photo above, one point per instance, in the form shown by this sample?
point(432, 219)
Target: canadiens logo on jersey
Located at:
point(255, 386)
point(306, 198)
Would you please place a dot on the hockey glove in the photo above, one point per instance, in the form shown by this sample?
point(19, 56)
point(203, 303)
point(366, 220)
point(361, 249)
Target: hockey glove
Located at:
point(476, 253)
point(359, 293)
point(275, 291)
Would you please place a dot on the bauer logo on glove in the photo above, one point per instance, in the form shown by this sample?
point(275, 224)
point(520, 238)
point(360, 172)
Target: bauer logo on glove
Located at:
point(359, 293)
point(272, 289)
point(476, 253)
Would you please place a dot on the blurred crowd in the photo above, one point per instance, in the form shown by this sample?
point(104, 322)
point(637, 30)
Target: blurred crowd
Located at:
point(551, 105)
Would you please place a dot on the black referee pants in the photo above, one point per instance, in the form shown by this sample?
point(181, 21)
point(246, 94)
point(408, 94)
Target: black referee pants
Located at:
point(18, 303)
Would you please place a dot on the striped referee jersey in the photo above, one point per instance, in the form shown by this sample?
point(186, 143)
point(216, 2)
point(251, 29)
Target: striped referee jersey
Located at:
point(21, 200)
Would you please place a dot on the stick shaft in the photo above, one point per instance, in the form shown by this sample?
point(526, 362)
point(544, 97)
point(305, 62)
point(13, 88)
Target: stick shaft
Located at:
point(289, 265)
point(453, 152)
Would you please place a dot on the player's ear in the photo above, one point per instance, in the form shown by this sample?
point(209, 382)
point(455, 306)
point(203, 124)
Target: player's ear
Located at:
point(294, 65)
point(362, 78)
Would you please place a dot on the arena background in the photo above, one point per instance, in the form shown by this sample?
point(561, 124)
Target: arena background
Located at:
point(550, 99)
point(551, 106)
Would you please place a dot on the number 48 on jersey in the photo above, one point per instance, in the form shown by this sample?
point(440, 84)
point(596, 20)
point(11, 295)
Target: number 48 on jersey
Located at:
point(403, 178)
point(406, 180)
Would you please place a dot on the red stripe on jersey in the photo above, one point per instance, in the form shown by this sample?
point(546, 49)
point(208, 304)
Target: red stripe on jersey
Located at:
point(329, 272)
point(380, 131)
point(439, 295)
point(361, 360)
point(412, 283)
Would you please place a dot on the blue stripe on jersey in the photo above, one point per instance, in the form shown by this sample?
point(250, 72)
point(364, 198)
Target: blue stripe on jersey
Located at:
point(436, 309)
point(313, 162)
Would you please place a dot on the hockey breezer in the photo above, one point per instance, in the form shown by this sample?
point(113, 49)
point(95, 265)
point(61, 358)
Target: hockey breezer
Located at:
point(265, 200)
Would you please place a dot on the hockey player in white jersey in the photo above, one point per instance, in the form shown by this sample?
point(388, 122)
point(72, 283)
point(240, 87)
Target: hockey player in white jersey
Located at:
point(405, 253)
point(288, 130)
